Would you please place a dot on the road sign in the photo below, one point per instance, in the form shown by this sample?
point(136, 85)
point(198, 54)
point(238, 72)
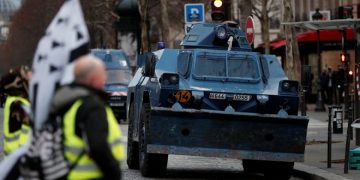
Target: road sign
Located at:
point(250, 30)
point(194, 13)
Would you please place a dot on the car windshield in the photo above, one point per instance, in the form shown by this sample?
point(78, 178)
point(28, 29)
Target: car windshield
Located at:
point(117, 76)
point(112, 57)
point(229, 66)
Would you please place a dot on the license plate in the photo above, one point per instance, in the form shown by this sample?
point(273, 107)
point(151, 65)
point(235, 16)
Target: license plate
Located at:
point(117, 104)
point(217, 96)
point(241, 97)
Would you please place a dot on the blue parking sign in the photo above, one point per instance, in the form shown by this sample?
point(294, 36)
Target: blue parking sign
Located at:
point(194, 13)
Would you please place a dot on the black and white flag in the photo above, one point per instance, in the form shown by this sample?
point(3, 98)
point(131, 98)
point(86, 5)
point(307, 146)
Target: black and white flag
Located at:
point(66, 39)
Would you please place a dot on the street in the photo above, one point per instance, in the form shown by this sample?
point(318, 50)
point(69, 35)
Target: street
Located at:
point(183, 167)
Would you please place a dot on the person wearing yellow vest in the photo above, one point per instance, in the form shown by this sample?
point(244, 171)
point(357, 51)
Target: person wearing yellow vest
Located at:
point(91, 133)
point(16, 121)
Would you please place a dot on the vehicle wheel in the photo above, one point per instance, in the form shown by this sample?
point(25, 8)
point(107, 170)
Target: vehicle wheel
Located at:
point(271, 169)
point(150, 164)
point(132, 146)
point(279, 170)
point(250, 166)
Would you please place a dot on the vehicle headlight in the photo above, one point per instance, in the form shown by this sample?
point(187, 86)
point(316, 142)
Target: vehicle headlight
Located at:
point(169, 79)
point(221, 32)
point(198, 95)
point(262, 98)
point(174, 79)
point(289, 86)
point(286, 86)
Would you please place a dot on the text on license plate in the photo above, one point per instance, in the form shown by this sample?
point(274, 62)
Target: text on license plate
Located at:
point(217, 96)
point(235, 97)
point(241, 97)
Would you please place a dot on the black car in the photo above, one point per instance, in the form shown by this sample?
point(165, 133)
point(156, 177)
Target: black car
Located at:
point(119, 76)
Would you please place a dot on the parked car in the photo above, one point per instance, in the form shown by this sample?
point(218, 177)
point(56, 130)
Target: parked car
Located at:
point(119, 76)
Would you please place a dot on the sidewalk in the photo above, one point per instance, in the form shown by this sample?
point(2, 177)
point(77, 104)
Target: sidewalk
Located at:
point(316, 148)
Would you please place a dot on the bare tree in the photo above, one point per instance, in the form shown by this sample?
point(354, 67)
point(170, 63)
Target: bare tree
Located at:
point(163, 20)
point(166, 30)
point(31, 20)
point(262, 9)
point(245, 11)
point(100, 18)
point(292, 50)
point(144, 13)
point(28, 26)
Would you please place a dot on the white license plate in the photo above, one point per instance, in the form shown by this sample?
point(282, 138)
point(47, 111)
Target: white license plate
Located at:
point(241, 97)
point(117, 104)
point(217, 96)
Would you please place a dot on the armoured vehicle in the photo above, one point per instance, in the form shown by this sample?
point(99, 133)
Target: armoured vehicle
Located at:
point(215, 98)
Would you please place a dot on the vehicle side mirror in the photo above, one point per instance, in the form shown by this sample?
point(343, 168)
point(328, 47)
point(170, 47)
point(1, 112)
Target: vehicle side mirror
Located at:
point(305, 76)
point(149, 65)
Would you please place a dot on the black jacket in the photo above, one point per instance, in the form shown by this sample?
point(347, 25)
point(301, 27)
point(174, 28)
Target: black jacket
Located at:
point(91, 122)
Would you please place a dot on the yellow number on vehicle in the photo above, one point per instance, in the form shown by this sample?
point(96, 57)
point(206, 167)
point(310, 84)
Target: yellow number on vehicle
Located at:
point(183, 96)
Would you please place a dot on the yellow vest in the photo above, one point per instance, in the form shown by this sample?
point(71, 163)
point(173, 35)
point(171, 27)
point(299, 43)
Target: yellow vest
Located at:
point(12, 140)
point(85, 167)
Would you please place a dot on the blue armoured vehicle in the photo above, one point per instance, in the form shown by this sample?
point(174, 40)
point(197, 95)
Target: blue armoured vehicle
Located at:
point(214, 98)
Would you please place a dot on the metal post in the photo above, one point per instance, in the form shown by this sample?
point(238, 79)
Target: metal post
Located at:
point(346, 81)
point(319, 100)
point(357, 62)
point(303, 102)
point(329, 140)
point(356, 107)
point(351, 114)
point(347, 148)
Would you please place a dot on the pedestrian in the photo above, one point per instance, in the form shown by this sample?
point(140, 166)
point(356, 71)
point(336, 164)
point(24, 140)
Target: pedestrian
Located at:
point(323, 85)
point(16, 122)
point(91, 132)
point(331, 80)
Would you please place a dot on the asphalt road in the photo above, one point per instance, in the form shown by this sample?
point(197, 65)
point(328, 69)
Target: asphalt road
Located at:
point(184, 167)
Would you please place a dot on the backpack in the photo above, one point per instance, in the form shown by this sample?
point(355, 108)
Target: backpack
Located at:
point(45, 157)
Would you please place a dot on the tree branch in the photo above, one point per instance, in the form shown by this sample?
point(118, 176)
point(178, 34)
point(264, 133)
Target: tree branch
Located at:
point(257, 12)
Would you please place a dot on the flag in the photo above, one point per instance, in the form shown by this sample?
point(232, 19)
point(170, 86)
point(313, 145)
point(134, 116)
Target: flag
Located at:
point(66, 39)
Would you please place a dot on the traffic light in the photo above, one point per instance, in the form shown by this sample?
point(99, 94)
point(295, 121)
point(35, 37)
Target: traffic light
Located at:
point(344, 57)
point(345, 12)
point(217, 10)
point(350, 76)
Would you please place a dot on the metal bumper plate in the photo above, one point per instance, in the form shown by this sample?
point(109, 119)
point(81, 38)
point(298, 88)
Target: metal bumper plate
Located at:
point(233, 135)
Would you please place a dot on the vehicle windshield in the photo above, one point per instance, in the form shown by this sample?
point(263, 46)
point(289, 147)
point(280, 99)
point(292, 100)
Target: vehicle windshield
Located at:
point(113, 57)
point(117, 76)
point(230, 66)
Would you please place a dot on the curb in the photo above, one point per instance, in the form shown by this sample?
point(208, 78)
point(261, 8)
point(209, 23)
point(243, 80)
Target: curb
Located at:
point(314, 173)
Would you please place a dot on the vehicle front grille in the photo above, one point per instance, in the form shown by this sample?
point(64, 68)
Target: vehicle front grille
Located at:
point(117, 98)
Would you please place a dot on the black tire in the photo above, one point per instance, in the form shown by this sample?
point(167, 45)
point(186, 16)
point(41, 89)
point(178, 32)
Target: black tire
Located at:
point(150, 164)
point(279, 170)
point(250, 166)
point(132, 146)
point(271, 169)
